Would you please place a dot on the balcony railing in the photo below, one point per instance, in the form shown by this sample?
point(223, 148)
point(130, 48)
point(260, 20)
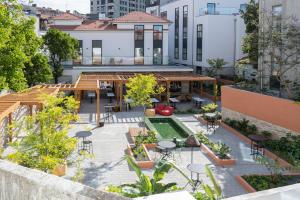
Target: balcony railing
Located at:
point(117, 61)
point(219, 11)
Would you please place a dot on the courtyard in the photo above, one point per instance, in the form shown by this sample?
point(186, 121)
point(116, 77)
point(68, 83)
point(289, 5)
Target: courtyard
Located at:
point(108, 166)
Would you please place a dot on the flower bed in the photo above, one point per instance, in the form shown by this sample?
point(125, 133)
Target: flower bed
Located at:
point(254, 183)
point(219, 152)
point(142, 159)
point(274, 149)
point(142, 135)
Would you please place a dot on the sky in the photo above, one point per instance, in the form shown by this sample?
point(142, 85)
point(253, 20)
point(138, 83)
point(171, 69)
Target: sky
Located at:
point(82, 6)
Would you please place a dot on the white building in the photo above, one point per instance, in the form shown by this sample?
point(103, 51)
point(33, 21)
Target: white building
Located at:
point(204, 29)
point(137, 41)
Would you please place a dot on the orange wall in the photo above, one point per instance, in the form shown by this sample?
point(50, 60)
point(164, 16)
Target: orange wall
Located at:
point(274, 110)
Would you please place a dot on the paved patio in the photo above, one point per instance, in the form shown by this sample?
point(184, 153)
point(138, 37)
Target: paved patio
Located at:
point(109, 167)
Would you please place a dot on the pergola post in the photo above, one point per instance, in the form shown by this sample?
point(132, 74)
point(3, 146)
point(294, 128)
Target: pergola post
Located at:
point(30, 110)
point(10, 127)
point(201, 88)
point(121, 94)
point(168, 91)
point(215, 90)
point(98, 107)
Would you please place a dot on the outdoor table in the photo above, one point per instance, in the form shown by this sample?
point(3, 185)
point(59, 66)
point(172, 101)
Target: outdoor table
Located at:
point(197, 169)
point(256, 143)
point(83, 135)
point(167, 147)
point(110, 95)
point(210, 120)
point(154, 101)
point(91, 95)
point(174, 101)
point(128, 102)
point(198, 101)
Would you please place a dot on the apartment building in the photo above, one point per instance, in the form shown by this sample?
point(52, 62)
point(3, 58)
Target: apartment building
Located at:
point(136, 41)
point(202, 30)
point(116, 8)
point(281, 12)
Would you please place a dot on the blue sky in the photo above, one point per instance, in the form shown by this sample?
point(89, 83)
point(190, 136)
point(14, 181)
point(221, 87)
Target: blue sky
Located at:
point(82, 6)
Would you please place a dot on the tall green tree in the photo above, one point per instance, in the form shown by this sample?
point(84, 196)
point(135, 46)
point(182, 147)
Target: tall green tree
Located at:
point(250, 41)
point(216, 66)
point(38, 70)
point(61, 47)
point(18, 45)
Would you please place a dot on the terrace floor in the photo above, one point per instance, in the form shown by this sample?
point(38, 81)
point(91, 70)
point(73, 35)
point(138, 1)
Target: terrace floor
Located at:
point(110, 142)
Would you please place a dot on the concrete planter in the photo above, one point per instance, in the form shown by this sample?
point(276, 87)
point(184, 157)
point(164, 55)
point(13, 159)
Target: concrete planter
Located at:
point(60, 170)
point(215, 158)
point(147, 164)
point(268, 153)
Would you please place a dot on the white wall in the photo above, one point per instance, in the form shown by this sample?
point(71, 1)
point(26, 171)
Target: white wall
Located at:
point(218, 37)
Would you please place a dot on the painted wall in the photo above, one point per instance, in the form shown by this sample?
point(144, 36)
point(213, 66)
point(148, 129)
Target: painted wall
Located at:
point(281, 112)
point(67, 22)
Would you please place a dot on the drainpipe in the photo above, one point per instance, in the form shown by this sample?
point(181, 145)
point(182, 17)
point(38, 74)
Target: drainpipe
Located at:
point(193, 22)
point(234, 43)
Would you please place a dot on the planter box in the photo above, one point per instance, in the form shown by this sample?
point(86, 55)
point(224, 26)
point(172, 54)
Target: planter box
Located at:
point(147, 164)
point(215, 158)
point(268, 153)
point(60, 170)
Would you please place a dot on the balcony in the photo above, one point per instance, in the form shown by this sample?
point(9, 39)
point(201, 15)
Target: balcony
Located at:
point(219, 11)
point(117, 61)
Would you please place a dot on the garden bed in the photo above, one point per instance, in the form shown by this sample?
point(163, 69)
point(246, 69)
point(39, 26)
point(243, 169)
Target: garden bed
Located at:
point(217, 152)
point(254, 183)
point(143, 162)
point(147, 137)
point(242, 135)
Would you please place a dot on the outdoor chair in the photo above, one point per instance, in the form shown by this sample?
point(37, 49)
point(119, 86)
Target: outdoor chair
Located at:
point(158, 152)
point(88, 146)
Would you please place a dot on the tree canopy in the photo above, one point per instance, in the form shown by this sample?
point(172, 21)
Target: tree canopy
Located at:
point(250, 41)
point(18, 45)
point(61, 47)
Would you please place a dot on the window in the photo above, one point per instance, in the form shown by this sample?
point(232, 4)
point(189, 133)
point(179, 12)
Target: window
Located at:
point(243, 7)
point(199, 42)
point(157, 44)
point(78, 60)
point(97, 52)
point(211, 8)
point(176, 49)
point(164, 15)
point(276, 17)
point(138, 44)
point(185, 32)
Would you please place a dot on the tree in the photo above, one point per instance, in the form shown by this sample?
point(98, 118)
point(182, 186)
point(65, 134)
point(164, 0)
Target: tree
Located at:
point(250, 41)
point(19, 44)
point(38, 70)
point(61, 47)
point(141, 88)
point(280, 50)
point(46, 144)
point(216, 66)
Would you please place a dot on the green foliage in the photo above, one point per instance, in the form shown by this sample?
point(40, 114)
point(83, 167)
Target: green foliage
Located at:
point(146, 139)
point(46, 144)
point(263, 182)
point(243, 126)
point(141, 88)
point(61, 47)
point(250, 42)
point(188, 111)
point(210, 193)
point(37, 70)
point(216, 66)
point(220, 149)
point(273, 167)
point(145, 185)
point(210, 108)
point(18, 44)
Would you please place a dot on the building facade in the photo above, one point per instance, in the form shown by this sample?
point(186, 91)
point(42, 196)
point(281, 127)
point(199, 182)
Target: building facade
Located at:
point(137, 39)
point(279, 13)
point(116, 8)
point(203, 30)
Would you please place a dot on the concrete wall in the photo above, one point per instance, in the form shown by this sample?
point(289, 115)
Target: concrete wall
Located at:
point(20, 183)
point(273, 114)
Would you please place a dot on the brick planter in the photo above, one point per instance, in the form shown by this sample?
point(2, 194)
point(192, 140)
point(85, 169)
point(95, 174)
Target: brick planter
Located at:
point(245, 184)
point(268, 153)
point(147, 164)
point(215, 158)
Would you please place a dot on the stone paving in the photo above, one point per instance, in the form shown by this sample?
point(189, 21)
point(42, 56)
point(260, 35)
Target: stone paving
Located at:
point(109, 143)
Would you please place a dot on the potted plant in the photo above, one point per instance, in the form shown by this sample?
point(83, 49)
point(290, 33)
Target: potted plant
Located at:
point(140, 89)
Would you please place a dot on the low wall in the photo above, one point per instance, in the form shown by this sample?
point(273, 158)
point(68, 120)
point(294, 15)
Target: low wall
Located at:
point(21, 183)
point(273, 114)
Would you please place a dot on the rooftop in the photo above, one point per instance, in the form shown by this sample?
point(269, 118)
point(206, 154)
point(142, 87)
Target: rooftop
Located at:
point(136, 17)
point(66, 16)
